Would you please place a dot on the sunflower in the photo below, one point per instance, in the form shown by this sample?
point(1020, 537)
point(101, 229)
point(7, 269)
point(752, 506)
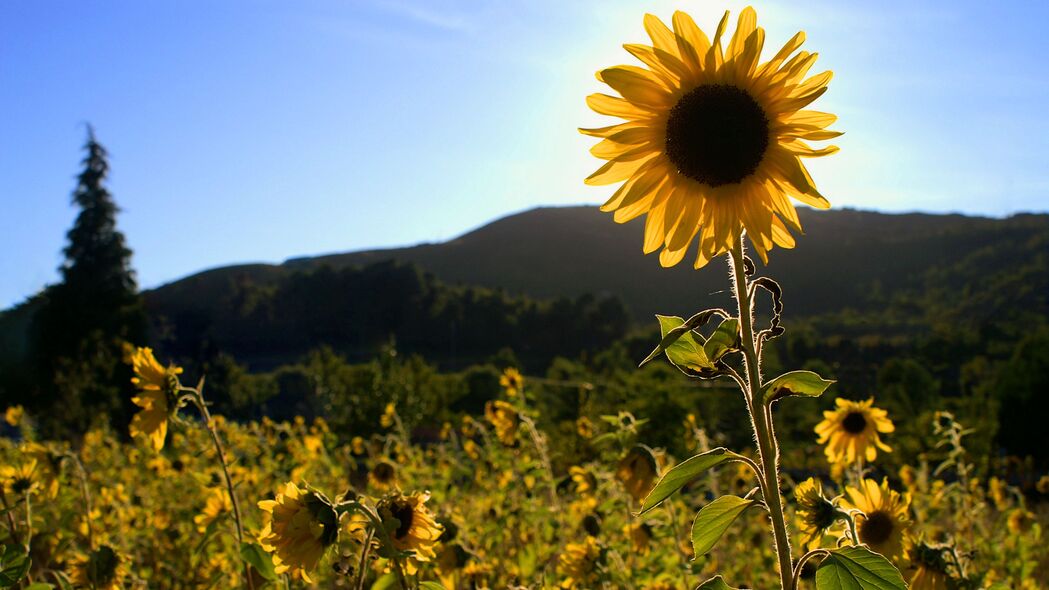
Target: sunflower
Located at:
point(389, 416)
point(584, 479)
point(851, 430)
point(412, 525)
point(578, 563)
point(512, 382)
point(19, 479)
point(713, 138)
point(637, 472)
point(640, 535)
point(504, 418)
point(217, 504)
point(815, 513)
point(884, 516)
point(102, 569)
point(48, 466)
point(928, 566)
point(383, 476)
point(13, 415)
point(298, 526)
point(158, 387)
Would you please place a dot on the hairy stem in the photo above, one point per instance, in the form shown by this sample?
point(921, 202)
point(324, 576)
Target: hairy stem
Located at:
point(761, 418)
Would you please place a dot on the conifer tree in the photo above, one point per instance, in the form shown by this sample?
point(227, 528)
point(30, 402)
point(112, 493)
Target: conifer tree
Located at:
point(84, 319)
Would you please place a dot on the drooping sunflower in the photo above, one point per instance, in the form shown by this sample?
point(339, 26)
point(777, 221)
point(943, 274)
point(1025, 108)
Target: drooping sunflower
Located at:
point(928, 567)
point(503, 417)
point(884, 518)
point(101, 569)
point(713, 138)
point(298, 527)
point(815, 513)
point(415, 528)
point(637, 471)
point(383, 476)
point(158, 387)
point(851, 430)
point(579, 562)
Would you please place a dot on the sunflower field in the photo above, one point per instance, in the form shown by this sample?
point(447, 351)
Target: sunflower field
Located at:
point(708, 145)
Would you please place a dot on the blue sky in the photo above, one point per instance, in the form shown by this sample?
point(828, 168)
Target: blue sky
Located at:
point(257, 130)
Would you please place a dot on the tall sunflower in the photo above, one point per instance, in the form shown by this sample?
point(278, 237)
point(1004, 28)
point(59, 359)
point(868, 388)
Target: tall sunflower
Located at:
point(851, 430)
point(158, 386)
point(884, 518)
point(713, 138)
point(298, 526)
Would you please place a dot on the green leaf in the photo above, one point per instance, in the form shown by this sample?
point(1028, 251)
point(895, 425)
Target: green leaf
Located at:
point(725, 339)
point(795, 383)
point(714, 519)
point(259, 559)
point(385, 581)
point(681, 347)
point(683, 473)
point(14, 564)
point(715, 583)
point(40, 586)
point(857, 568)
point(431, 586)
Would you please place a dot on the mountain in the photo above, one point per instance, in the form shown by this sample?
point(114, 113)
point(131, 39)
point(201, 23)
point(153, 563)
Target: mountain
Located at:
point(847, 260)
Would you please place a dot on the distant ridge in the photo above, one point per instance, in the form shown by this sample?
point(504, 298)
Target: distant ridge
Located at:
point(847, 259)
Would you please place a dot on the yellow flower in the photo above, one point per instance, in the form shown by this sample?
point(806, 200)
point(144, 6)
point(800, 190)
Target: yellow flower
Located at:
point(157, 388)
point(383, 476)
point(13, 415)
point(471, 449)
point(503, 417)
point(48, 466)
point(216, 505)
point(640, 535)
point(357, 446)
point(713, 139)
point(1019, 520)
point(579, 563)
point(512, 382)
point(815, 512)
point(928, 566)
point(415, 528)
point(851, 430)
point(998, 492)
point(884, 516)
point(102, 569)
point(298, 526)
point(19, 479)
point(637, 472)
point(389, 416)
point(584, 428)
point(585, 480)
point(1043, 485)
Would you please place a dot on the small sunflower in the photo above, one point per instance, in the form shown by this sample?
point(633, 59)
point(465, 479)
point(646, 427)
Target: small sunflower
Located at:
point(158, 386)
point(584, 479)
point(851, 431)
point(504, 419)
point(415, 528)
point(217, 504)
point(579, 563)
point(640, 535)
point(928, 566)
point(48, 466)
point(815, 512)
point(884, 516)
point(584, 428)
point(19, 479)
point(298, 527)
point(383, 476)
point(102, 569)
point(389, 416)
point(13, 415)
point(637, 471)
point(512, 382)
point(713, 138)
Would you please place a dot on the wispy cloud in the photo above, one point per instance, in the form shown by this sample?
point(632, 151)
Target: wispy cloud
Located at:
point(440, 19)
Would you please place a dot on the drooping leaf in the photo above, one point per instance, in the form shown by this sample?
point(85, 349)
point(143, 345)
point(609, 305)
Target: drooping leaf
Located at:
point(714, 519)
point(259, 559)
point(857, 568)
point(683, 473)
point(724, 339)
point(683, 351)
point(796, 383)
point(672, 330)
point(14, 564)
point(715, 583)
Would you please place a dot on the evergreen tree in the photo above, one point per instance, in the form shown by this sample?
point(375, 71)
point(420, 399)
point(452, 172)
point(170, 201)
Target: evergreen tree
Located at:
point(78, 331)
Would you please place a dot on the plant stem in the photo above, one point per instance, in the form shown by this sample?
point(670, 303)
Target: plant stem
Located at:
point(12, 527)
point(198, 400)
point(81, 473)
point(364, 558)
point(672, 512)
point(761, 418)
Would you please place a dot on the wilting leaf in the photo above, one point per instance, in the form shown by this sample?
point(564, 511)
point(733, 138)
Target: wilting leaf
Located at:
point(796, 383)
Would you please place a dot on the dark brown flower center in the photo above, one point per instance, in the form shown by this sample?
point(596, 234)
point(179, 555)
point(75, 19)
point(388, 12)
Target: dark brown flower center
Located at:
point(876, 528)
point(854, 423)
point(383, 472)
point(403, 513)
point(717, 134)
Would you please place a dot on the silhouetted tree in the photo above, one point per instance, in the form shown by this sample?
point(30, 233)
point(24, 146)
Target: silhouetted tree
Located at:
point(78, 331)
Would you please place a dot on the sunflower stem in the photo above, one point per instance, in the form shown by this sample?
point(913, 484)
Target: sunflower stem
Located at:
point(761, 418)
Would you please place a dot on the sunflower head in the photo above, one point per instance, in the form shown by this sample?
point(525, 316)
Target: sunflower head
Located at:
point(883, 517)
point(158, 391)
point(298, 527)
point(217, 504)
point(101, 569)
point(584, 479)
point(19, 479)
point(928, 566)
point(640, 535)
point(815, 512)
point(410, 523)
point(512, 382)
point(383, 475)
point(637, 471)
point(851, 431)
point(13, 415)
point(712, 138)
point(504, 419)
point(579, 563)
point(389, 416)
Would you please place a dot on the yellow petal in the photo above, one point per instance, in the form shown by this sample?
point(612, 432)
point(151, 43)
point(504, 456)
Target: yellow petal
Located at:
point(616, 107)
point(617, 170)
point(637, 85)
point(662, 37)
point(748, 20)
point(660, 61)
point(692, 42)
